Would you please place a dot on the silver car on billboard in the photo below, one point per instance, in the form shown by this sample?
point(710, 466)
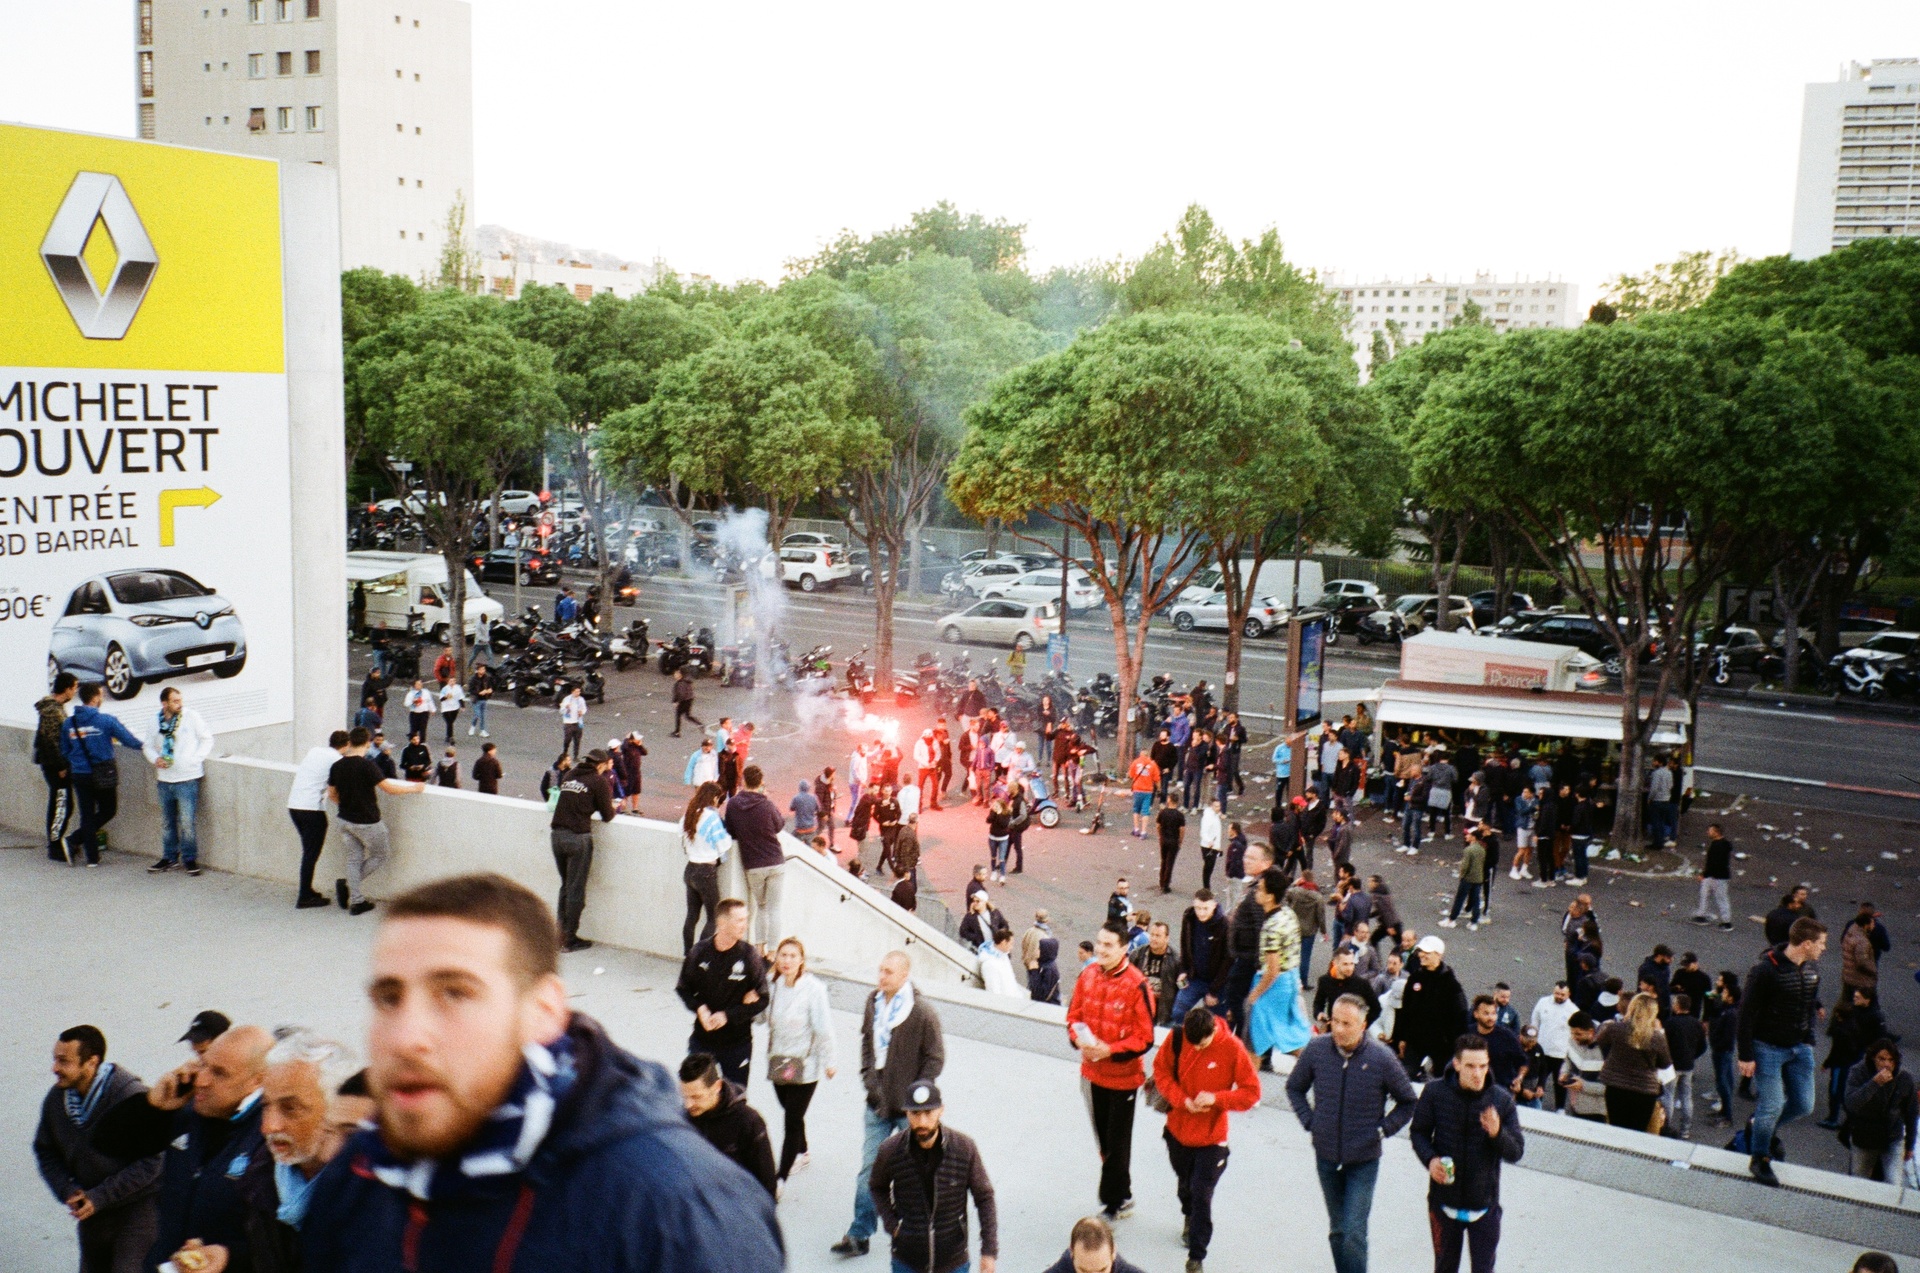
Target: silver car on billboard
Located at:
point(125, 628)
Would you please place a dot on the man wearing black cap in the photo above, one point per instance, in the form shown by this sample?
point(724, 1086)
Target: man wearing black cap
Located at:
point(584, 790)
point(921, 1179)
point(207, 1025)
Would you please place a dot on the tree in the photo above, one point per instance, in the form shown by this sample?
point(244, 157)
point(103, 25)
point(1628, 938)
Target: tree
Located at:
point(450, 389)
point(922, 344)
point(369, 302)
point(1103, 437)
point(1588, 442)
point(608, 355)
point(767, 421)
point(1669, 287)
point(459, 263)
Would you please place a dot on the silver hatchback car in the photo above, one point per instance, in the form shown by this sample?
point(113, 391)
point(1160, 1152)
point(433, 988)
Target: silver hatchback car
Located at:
point(128, 627)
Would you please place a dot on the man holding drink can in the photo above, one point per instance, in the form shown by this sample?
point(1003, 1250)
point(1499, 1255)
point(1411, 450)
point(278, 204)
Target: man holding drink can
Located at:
point(1463, 1129)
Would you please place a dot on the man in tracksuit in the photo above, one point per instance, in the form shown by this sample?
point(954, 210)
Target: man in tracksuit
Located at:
point(1203, 1073)
point(723, 982)
point(1351, 1076)
point(52, 713)
point(1464, 1127)
point(1110, 1021)
point(86, 741)
point(1778, 1010)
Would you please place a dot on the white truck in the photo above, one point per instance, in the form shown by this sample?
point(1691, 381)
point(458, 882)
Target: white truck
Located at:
point(1275, 579)
point(407, 592)
point(1461, 658)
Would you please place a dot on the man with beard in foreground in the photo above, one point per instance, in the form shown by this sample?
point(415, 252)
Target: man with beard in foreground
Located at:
point(505, 1119)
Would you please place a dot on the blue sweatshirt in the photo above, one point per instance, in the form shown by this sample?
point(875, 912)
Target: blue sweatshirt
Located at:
point(87, 738)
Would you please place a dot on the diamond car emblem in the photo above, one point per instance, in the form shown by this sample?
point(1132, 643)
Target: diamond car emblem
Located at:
point(99, 313)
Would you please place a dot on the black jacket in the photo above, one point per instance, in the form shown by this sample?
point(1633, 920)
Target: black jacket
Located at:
point(916, 1051)
point(736, 1129)
point(1065, 1264)
point(1244, 934)
point(583, 792)
point(1880, 1115)
point(1165, 983)
point(721, 979)
point(931, 1237)
point(1779, 1003)
point(1433, 1011)
point(1446, 1124)
point(621, 1183)
point(200, 1193)
point(1219, 957)
point(69, 1159)
point(1780, 922)
point(1330, 987)
point(1719, 865)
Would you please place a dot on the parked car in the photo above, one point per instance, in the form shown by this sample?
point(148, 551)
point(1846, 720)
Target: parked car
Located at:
point(1020, 624)
point(1044, 585)
point(1885, 665)
point(811, 539)
point(1420, 611)
point(1584, 634)
point(128, 627)
point(500, 565)
point(514, 502)
point(1486, 613)
point(1347, 613)
point(972, 581)
point(1264, 616)
point(1346, 588)
point(415, 504)
point(809, 569)
point(1854, 630)
point(1729, 650)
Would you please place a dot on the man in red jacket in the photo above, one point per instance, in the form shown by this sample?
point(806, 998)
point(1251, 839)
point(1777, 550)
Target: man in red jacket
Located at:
point(1203, 1072)
point(1111, 1022)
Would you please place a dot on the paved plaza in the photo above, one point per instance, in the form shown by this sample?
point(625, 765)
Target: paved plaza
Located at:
point(138, 956)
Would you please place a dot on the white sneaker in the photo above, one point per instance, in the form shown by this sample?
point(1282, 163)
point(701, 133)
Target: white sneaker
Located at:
point(485, 734)
point(800, 1162)
point(1413, 853)
point(469, 731)
point(1447, 923)
point(1472, 927)
point(1513, 873)
point(1526, 872)
point(1543, 883)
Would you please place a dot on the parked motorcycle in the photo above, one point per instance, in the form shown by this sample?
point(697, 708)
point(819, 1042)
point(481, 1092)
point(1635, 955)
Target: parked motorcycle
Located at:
point(692, 650)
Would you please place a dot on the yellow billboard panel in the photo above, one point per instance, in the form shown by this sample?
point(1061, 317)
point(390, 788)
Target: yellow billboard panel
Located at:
point(129, 255)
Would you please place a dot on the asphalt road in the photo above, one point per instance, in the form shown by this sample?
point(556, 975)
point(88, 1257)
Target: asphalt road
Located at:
point(1752, 738)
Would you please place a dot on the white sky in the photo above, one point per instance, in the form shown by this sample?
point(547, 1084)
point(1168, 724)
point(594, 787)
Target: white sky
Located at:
point(1379, 137)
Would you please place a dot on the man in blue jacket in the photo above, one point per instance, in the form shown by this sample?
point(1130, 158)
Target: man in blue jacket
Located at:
point(86, 740)
point(513, 1134)
point(1350, 1076)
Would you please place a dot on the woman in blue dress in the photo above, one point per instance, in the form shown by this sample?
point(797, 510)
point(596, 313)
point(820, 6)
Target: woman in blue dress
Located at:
point(1276, 1021)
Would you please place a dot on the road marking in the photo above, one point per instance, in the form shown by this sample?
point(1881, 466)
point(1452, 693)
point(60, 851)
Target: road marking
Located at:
point(1773, 711)
point(1809, 782)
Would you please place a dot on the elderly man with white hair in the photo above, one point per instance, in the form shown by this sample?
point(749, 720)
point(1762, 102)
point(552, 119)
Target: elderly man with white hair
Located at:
point(312, 1099)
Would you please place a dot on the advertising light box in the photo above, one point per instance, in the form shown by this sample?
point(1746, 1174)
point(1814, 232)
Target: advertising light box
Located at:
point(145, 520)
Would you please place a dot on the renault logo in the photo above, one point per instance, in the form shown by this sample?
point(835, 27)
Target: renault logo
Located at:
point(98, 199)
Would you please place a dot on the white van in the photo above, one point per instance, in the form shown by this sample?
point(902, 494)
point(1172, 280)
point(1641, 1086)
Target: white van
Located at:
point(1275, 580)
point(407, 592)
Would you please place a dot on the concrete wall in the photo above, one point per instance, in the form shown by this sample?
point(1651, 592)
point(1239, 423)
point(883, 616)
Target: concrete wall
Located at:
point(635, 897)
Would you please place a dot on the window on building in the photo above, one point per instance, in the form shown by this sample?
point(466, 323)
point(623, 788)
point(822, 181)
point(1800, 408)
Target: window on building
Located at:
point(420, 234)
point(146, 121)
point(401, 180)
point(583, 290)
point(255, 69)
point(1549, 309)
point(253, 10)
point(283, 63)
point(283, 10)
point(403, 233)
point(419, 183)
point(257, 120)
point(313, 8)
point(284, 117)
point(416, 77)
point(146, 21)
point(315, 120)
point(313, 61)
point(146, 73)
point(399, 128)
point(416, 130)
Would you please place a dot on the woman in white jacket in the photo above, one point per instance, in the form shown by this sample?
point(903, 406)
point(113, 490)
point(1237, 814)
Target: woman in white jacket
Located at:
point(799, 1045)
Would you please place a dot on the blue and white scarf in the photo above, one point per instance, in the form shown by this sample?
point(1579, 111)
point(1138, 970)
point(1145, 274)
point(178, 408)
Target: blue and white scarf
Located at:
point(81, 1108)
point(888, 1013)
point(505, 1143)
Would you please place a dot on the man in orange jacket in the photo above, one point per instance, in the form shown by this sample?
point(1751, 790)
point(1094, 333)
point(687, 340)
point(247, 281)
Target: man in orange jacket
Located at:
point(1203, 1072)
point(1111, 1022)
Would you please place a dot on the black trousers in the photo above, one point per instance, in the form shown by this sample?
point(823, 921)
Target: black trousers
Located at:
point(794, 1099)
point(573, 856)
point(684, 711)
point(1197, 1170)
point(703, 893)
point(97, 807)
point(735, 1060)
point(1113, 1127)
point(59, 809)
point(312, 826)
point(1209, 858)
point(116, 1241)
point(1450, 1237)
point(1169, 854)
point(1239, 984)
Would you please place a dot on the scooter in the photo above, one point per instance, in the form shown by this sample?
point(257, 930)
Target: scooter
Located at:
point(690, 650)
point(1045, 811)
point(629, 647)
point(859, 679)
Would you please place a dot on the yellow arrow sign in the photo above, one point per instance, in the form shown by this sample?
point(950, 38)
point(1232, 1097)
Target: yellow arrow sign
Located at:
point(194, 497)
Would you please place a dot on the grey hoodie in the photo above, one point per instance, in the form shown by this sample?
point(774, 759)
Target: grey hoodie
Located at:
point(68, 1160)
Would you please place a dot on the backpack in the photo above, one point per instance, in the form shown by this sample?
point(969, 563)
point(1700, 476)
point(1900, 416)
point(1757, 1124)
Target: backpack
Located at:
point(1157, 1101)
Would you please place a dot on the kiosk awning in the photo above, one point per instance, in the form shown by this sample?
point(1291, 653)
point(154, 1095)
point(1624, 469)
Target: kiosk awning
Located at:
point(1518, 712)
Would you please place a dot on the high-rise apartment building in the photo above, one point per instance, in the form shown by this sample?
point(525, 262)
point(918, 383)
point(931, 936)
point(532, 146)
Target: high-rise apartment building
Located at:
point(510, 262)
point(379, 90)
point(1426, 305)
point(1857, 151)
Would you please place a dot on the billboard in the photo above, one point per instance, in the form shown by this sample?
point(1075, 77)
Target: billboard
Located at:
point(1313, 670)
point(145, 511)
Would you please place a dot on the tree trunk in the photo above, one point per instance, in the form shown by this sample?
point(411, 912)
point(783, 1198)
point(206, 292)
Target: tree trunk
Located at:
point(1633, 735)
point(915, 528)
point(884, 552)
point(1127, 673)
point(493, 519)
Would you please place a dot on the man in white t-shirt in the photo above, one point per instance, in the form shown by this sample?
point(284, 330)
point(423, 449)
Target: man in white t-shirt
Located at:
point(1549, 1022)
point(307, 806)
point(453, 696)
point(573, 721)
